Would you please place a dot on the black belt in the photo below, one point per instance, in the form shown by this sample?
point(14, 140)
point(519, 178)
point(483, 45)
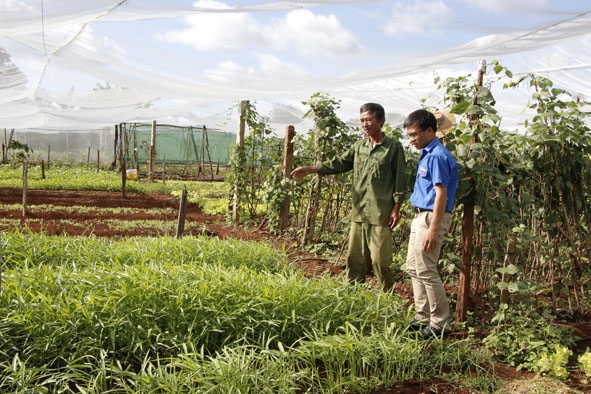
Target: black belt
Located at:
point(421, 210)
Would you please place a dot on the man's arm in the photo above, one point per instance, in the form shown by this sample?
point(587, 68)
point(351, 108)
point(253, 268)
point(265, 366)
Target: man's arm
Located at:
point(301, 172)
point(430, 239)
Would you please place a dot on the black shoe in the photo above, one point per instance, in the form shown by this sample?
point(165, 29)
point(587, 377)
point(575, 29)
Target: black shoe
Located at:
point(431, 332)
point(416, 326)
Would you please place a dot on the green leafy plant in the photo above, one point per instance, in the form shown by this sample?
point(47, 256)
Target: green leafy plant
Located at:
point(553, 362)
point(253, 163)
point(162, 314)
point(276, 189)
point(324, 199)
point(21, 152)
point(585, 363)
point(521, 336)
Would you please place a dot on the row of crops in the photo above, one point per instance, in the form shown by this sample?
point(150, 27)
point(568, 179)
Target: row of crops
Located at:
point(156, 315)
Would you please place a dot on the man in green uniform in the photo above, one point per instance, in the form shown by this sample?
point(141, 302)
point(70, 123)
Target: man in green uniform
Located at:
point(379, 187)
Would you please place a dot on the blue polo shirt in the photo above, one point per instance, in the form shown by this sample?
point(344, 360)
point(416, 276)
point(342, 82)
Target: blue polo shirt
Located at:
point(436, 165)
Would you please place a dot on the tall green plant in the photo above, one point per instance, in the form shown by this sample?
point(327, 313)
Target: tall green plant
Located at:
point(558, 153)
point(252, 165)
point(487, 169)
point(329, 136)
point(531, 200)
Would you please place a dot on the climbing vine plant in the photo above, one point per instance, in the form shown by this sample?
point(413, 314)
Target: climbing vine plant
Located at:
point(252, 165)
point(528, 186)
point(323, 197)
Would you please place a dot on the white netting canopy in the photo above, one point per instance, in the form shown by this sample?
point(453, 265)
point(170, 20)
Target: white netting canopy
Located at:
point(86, 65)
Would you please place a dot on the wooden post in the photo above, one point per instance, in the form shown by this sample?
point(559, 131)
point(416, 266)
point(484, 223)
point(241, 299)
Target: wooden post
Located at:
point(240, 160)
point(88, 156)
point(122, 167)
point(201, 173)
point(207, 150)
point(42, 169)
point(25, 177)
point(136, 161)
point(115, 148)
point(7, 144)
point(98, 161)
point(287, 167)
point(182, 213)
point(152, 152)
point(468, 231)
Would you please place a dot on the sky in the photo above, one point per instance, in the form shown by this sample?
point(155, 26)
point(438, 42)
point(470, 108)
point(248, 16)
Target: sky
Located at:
point(194, 61)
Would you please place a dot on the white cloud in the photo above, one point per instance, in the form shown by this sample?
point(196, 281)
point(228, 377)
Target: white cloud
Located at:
point(228, 72)
point(272, 66)
point(299, 31)
point(500, 6)
point(267, 67)
point(309, 33)
point(216, 31)
point(419, 17)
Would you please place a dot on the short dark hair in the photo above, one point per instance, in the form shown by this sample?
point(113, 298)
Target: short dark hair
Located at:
point(421, 118)
point(375, 109)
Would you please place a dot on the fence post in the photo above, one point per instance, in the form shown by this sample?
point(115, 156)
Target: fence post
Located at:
point(239, 154)
point(287, 167)
point(123, 167)
point(182, 212)
point(25, 177)
point(152, 152)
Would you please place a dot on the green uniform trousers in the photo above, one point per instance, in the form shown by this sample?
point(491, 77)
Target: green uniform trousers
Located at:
point(373, 242)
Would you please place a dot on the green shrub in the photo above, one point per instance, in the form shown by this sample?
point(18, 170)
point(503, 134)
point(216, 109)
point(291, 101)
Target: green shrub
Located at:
point(521, 337)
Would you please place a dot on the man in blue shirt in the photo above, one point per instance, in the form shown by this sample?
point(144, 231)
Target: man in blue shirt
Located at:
point(433, 199)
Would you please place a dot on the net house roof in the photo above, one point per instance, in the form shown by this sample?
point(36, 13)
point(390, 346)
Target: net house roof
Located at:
point(85, 65)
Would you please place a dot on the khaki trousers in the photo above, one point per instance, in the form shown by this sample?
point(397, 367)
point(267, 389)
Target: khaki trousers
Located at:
point(431, 304)
point(375, 242)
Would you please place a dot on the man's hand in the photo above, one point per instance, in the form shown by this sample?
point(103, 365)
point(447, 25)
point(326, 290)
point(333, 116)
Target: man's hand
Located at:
point(430, 240)
point(394, 216)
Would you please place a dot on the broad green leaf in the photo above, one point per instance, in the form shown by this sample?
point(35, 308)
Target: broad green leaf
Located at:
point(460, 108)
point(511, 269)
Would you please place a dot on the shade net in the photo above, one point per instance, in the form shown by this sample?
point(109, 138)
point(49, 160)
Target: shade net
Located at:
point(178, 145)
point(83, 66)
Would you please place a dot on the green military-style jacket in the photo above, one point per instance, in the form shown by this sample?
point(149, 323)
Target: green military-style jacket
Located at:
point(379, 179)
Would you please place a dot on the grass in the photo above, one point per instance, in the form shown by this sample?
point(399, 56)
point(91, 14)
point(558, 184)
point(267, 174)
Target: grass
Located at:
point(88, 314)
